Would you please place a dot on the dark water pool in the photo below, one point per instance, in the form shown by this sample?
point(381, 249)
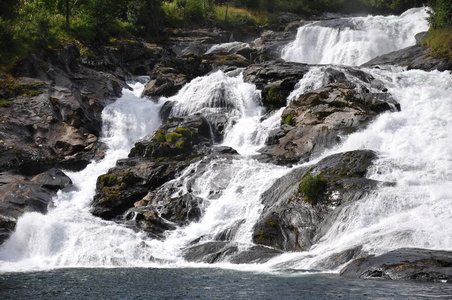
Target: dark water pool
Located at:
point(205, 284)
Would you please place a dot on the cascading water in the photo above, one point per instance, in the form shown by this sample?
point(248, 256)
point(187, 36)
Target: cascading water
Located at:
point(69, 235)
point(414, 150)
point(412, 146)
point(354, 41)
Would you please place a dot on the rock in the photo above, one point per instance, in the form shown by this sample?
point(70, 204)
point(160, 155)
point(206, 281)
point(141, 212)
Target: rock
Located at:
point(197, 41)
point(317, 119)
point(403, 264)
point(269, 45)
point(175, 72)
point(300, 207)
point(276, 80)
point(125, 58)
point(18, 195)
point(53, 179)
point(413, 57)
point(166, 82)
point(52, 115)
point(152, 162)
point(217, 251)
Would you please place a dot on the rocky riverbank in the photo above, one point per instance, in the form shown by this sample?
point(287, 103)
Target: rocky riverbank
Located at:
point(50, 120)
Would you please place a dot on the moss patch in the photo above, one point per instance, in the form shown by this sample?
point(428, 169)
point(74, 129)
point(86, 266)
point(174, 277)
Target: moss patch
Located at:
point(11, 88)
point(313, 188)
point(288, 119)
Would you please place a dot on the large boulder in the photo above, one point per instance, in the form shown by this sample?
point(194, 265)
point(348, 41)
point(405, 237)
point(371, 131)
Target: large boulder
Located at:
point(153, 161)
point(403, 264)
point(317, 119)
point(300, 207)
point(413, 57)
point(276, 80)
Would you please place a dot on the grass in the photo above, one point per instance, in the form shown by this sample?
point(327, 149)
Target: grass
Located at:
point(241, 16)
point(440, 42)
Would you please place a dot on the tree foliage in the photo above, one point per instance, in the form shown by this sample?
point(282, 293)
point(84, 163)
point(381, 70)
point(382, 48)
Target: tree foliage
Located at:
point(26, 25)
point(441, 15)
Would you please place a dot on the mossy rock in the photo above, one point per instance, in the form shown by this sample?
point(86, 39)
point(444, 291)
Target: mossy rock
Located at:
point(11, 88)
point(274, 97)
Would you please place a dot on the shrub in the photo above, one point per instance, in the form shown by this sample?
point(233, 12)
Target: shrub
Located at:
point(313, 188)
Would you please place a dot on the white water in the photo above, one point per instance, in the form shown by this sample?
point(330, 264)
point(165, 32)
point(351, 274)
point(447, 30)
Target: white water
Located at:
point(371, 36)
point(414, 149)
point(414, 152)
point(69, 235)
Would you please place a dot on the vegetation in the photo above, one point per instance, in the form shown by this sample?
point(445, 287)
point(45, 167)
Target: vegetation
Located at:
point(27, 25)
point(439, 38)
point(313, 188)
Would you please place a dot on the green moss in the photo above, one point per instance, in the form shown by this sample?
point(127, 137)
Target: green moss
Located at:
point(4, 103)
point(108, 180)
point(288, 119)
point(313, 188)
point(159, 136)
point(274, 97)
point(10, 88)
point(183, 131)
point(173, 137)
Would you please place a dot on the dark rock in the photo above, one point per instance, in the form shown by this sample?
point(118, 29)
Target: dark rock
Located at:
point(53, 179)
point(291, 221)
point(269, 45)
point(276, 80)
point(317, 119)
point(213, 252)
point(125, 58)
point(152, 162)
point(7, 226)
point(403, 264)
point(53, 116)
point(19, 195)
point(413, 57)
point(174, 73)
point(224, 150)
point(197, 41)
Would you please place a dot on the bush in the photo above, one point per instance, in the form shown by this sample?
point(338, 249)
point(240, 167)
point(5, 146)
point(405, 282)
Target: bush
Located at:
point(441, 14)
point(313, 188)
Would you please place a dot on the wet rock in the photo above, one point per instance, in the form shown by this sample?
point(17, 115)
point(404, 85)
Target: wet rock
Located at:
point(300, 207)
point(317, 119)
point(404, 264)
point(18, 195)
point(53, 179)
point(153, 161)
point(413, 57)
point(213, 252)
point(175, 72)
point(276, 80)
point(52, 111)
point(269, 45)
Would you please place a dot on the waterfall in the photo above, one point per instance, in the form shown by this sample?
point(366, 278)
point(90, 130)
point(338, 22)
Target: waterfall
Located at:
point(413, 146)
point(415, 153)
point(69, 235)
point(354, 41)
